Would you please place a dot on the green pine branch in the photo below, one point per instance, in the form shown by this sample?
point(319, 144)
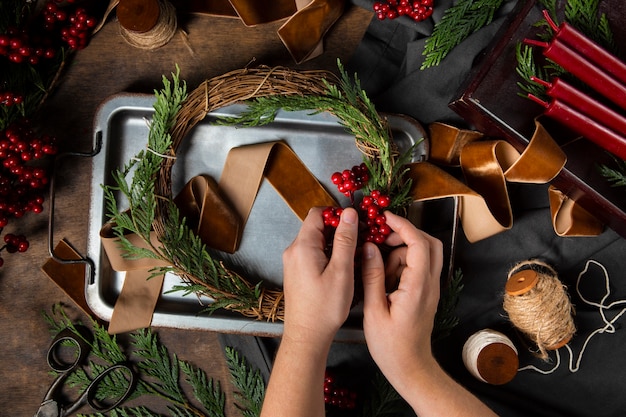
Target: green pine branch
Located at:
point(249, 384)
point(458, 22)
point(615, 176)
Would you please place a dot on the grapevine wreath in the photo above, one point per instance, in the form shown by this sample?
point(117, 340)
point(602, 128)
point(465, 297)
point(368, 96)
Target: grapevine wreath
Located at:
point(265, 90)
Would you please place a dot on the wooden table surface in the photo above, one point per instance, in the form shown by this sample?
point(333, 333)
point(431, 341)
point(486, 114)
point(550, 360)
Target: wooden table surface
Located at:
point(108, 66)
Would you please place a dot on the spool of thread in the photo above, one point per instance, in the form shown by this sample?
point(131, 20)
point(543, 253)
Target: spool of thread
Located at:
point(147, 24)
point(538, 304)
point(490, 357)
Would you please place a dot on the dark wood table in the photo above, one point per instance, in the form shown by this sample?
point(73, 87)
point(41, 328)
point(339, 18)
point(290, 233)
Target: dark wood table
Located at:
point(108, 66)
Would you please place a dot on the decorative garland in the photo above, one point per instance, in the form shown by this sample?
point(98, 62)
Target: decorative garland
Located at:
point(176, 113)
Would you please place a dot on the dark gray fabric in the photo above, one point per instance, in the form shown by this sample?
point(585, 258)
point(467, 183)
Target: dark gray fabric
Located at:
point(387, 62)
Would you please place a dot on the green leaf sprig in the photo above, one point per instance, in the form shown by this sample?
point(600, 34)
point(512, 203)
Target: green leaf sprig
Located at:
point(458, 22)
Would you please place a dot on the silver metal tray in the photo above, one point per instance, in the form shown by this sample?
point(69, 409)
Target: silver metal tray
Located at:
point(121, 124)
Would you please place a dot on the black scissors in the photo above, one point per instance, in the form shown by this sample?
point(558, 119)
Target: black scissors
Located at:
point(53, 405)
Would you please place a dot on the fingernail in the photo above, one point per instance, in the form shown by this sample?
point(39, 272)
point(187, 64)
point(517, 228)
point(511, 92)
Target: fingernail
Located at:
point(349, 216)
point(369, 251)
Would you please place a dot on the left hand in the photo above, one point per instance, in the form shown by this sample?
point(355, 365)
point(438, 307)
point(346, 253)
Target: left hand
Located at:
point(318, 291)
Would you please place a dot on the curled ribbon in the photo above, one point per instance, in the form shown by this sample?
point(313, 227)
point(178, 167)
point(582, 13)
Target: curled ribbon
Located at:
point(307, 21)
point(218, 213)
point(485, 208)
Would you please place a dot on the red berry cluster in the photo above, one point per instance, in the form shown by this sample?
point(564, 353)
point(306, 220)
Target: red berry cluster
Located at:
point(18, 46)
point(8, 98)
point(374, 205)
point(417, 10)
point(14, 243)
point(332, 216)
point(22, 185)
point(350, 180)
point(337, 396)
point(371, 207)
point(75, 26)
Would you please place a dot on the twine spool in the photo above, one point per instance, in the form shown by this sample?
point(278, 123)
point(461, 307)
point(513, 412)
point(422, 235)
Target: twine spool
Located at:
point(147, 24)
point(538, 304)
point(490, 357)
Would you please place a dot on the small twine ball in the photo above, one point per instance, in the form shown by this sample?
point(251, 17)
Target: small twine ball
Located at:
point(147, 24)
point(490, 357)
point(538, 304)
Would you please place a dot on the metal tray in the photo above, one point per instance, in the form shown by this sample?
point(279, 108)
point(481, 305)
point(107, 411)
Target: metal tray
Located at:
point(121, 124)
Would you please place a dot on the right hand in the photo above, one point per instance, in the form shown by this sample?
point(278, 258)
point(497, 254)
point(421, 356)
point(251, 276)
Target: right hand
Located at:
point(398, 326)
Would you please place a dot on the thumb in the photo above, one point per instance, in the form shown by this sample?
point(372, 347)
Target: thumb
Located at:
point(373, 275)
point(344, 242)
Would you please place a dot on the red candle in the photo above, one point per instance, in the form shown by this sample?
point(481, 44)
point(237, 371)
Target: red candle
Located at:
point(564, 92)
point(585, 126)
point(597, 55)
point(584, 70)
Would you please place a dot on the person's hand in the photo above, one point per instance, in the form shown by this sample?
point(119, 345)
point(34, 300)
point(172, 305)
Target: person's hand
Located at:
point(398, 326)
point(318, 291)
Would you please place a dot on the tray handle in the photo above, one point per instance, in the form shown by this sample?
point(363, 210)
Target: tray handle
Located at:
point(83, 259)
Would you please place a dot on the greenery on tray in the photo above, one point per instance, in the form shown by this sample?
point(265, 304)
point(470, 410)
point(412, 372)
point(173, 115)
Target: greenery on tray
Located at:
point(160, 373)
point(458, 22)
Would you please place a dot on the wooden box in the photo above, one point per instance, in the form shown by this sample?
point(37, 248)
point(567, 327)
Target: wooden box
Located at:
point(490, 101)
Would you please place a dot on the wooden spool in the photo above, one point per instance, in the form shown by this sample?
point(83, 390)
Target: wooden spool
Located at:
point(138, 15)
point(497, 363)
point(521, 283)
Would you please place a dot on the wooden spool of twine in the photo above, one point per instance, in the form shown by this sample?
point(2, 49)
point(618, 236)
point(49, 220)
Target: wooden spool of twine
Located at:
point(221, 91)
point(147, 24)
point(538, 304)
point(490, 357)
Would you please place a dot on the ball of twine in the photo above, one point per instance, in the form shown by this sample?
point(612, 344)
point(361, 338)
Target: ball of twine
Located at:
point(538, 304)
point(491, 357)
point(162, 32)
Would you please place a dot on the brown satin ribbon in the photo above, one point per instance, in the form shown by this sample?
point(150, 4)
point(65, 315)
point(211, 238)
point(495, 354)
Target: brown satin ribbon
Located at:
point(218, 214)
point(307, 21)
point(485, 208)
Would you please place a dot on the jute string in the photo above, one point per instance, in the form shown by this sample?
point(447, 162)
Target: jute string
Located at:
point(544, 313)
point(603, 307)
point(162, 32)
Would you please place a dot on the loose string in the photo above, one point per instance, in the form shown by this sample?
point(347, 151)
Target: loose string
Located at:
point(475, 345)
point(544, 313)
point(162, 32)
point(609, 327)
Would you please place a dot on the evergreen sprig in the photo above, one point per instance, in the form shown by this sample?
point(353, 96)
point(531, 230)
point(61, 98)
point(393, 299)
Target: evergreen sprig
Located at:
point(615, 176)
point(249, 385)
point(458, 22)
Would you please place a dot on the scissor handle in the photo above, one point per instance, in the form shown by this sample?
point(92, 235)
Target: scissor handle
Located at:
point(89, 395)
point(54, 355)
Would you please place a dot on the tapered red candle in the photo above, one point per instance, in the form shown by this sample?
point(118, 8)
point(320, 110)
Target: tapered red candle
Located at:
point(583, 69)
point(566, 93)
point(597, 55)
point(585, 126)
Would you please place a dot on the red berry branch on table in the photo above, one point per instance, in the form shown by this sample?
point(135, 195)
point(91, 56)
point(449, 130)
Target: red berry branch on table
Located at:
point(34, 44)
point(417, 10)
